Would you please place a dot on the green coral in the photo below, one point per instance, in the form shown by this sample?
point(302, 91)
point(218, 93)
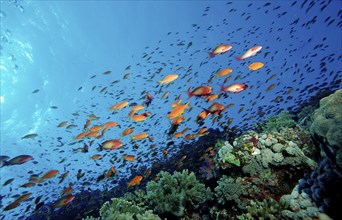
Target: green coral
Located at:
point(275, 123)
point(121, 209)
point(230, 190)
point(226, 154)
point(174, 193)
point(138, 197)
point(218, 214)
point(328, 122)
point(299, 206)
point(266, 209)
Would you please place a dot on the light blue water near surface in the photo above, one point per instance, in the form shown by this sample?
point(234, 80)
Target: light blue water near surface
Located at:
point(57, 46)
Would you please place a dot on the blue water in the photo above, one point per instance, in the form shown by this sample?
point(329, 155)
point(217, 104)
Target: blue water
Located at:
point(57, 46)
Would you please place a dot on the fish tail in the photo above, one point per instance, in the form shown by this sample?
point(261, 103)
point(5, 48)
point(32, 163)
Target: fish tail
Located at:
point(211, 54)
point(222, 88)
point(3, 163)
point(190, 94)
point(238, 58)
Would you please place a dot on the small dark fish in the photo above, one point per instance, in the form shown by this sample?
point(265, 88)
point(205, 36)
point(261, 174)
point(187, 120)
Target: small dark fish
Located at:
point(107, 72)
point(8, 182)
point(36, 201)
point(54, 107)
point(35, 91)
point(38, 206)
point(29, 136)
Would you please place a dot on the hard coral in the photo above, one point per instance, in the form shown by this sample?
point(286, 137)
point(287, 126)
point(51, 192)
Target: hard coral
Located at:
point(121, 209)
point(275, 123)
point(174, 193)
point(328, 123)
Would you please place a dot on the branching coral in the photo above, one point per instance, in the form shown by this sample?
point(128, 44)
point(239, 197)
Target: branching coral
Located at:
point(174, 193)
point(265, 209)
point(275, 123)
point(230, 190)
point(121, 209)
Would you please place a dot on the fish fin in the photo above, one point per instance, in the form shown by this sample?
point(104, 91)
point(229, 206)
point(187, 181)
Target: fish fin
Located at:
point(223, 89)
point(190, 94)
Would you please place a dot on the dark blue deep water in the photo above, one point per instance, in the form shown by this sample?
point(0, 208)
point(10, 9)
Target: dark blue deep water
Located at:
point(54, 61)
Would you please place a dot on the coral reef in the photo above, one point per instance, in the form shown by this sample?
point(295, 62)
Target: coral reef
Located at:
point(327, 123)
point(324, 187)
point(255, 152)
point(276, 122)
point(121, 209)
point(299, 206)
point(265, 209)
point(226, 154)
point(230, 190)
point(175, 193)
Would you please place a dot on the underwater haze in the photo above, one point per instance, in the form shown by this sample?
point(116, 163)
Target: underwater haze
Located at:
point(75, 75)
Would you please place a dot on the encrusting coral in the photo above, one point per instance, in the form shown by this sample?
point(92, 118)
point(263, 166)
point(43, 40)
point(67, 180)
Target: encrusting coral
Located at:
point(175, 193)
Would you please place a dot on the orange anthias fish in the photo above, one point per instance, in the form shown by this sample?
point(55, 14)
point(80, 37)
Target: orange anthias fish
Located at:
point(178, 135)
point(11, 206)
point(224, 72)
point(178, 111)
point(94, 117)
point(211, 97)
point(200, 91)
point(249, 53)
point(62, 124)
point(135, 181)
point(201, 116)
point(110, 124)
point(96, 128)
point(255, 65)
point(111, 172)
point(119, 106)
point(127, 132)
point(17, 201)
point(67, 191)
point(22, 197)
point(65, 200)
point(18, 160)
point(138, 118)
point(169, 78)
point(49, 174)
point(96, 157)
point(64, 175)
point(87, 124)
point(111, 144)
point(92, 134)
point(81, 135)
point(216, 108)
point(140, 136)
point(129, 157)
point(178, 120)
point(234, 88)
point(272, 86)
point(220, 49)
